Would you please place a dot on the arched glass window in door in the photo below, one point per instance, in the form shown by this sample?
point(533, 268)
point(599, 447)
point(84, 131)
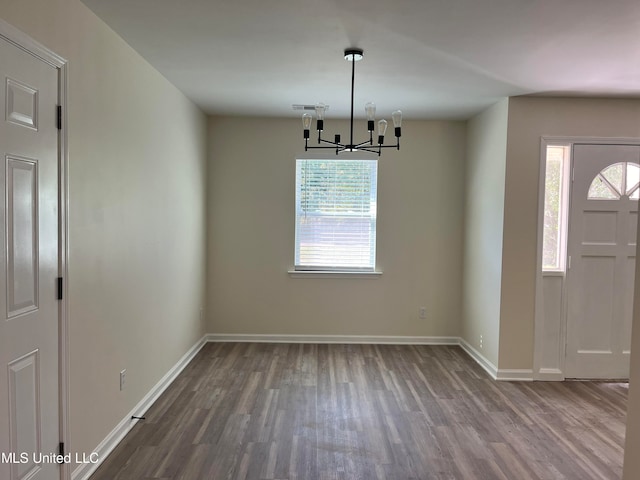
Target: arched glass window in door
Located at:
point(616, 181)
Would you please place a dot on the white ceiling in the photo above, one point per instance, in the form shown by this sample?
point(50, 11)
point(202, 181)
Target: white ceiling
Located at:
point(431, 59)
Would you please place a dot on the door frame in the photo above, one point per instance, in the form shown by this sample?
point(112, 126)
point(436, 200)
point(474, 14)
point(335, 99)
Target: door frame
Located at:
point(550, 336)
point(26, 43)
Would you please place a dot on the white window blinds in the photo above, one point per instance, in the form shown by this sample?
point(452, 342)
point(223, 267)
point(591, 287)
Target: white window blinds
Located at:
point(336, 214)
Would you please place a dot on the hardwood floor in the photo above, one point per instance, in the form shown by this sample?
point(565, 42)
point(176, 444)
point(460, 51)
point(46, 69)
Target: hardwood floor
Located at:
point(347, 412)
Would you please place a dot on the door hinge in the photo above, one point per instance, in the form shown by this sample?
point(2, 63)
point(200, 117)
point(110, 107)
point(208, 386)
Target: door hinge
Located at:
point(61, 448)
point(59, 116)
point(60, 288)
point(569, 263)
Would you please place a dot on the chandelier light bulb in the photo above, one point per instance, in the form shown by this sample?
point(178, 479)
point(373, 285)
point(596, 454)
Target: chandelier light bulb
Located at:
point(370, 108)
point(397, 118)
point(306, 121)
point(382, 127)
point(320, 109)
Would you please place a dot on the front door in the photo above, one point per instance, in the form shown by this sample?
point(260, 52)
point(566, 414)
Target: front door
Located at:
point(29, 319)
point(601, 247)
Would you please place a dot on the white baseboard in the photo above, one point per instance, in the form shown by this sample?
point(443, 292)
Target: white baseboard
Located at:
point(84, 471)
point(550, 375)
point(515, 375)
point(370, 339)
point(480, 359)
point(503, 374)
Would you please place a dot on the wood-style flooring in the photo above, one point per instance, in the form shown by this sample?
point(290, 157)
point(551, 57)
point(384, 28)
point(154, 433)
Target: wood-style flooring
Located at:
point(370, 412)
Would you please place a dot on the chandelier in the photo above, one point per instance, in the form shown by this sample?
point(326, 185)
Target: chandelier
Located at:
point(353, 55)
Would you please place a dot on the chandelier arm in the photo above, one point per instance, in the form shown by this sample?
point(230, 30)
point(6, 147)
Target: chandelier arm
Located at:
point(396, 146)
point(361, 144)
point(331, 148)
point(333, 143)
point(368, 150)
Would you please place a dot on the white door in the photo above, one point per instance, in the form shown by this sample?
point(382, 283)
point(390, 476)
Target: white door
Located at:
point(602, 247)
point(29, 374)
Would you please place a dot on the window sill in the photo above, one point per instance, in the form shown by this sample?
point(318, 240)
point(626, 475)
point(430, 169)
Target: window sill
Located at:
point(332, 274)
point(553, 273)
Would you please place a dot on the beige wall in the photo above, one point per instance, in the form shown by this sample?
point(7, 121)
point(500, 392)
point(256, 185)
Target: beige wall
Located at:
point(530, 118)
point(251, 235)
point(136, 216)
point(484, 211)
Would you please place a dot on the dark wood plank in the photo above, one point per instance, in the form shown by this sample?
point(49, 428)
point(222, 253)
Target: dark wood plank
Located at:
point(370, 412)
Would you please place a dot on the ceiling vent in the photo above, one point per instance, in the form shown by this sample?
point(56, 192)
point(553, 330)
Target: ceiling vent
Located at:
point(306, 107)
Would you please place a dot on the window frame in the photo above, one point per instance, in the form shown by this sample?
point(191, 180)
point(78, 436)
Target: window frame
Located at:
point(613, 189)
point(304, 270)
point(563, 207)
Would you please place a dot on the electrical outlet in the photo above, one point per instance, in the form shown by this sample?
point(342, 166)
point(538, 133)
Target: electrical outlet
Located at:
point(481, 339)
point(422, 312)
point(123, 378)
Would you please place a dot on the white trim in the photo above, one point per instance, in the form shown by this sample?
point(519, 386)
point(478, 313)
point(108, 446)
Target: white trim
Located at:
point(538, 329)
point(112, 440)
point(554, 140)
point(344, 155)
point(539, 319)
point(550, 375)
point(480, 359)
point(349, 339)
point(515, 375)
point(333, 274)
point(63, 253)
point(554, 273)
point(29, 45)
point(24, 42)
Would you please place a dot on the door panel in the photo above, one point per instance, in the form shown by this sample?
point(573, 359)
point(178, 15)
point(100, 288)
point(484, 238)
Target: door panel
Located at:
point(22, 236)
point(599, 228)
point(598, 274)
point(25, 424)
point(22, 104)
point(29, 320)
point(601, 247)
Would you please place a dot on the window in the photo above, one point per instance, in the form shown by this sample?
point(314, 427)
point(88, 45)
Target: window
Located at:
point(615, 181)
point(336, 215)
point(555, 208)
